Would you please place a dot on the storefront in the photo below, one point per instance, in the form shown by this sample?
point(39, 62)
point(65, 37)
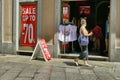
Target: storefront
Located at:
point(96, 13)
point(113, 50)
point(29, 20)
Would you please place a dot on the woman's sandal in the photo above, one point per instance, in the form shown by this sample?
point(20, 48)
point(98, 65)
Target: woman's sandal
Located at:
point(88, 65)
point(76, 61)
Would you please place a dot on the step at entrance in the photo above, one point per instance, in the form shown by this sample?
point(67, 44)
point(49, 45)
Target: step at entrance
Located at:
point(91, 57)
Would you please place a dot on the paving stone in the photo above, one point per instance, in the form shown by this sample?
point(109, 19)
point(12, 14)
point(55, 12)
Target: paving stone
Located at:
point(23, 78)
point(2, 71)
point(43, 73)
point(42, 76)
point(28, 72)
point(7, 65)
point(103, 75)
point(58, 69)
point(73, 76)
point(71, 70)
point(86, 71)
point(57, 76)
point(9, 76)
point(44, 69)
point(89, 77)
point(57, 73)
point(104, 69)
point(115, 75)
point(17, 68)
point(117, 68)
point(88, 74)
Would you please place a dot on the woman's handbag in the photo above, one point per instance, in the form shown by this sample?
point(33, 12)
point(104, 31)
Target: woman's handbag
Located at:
point(83, 40)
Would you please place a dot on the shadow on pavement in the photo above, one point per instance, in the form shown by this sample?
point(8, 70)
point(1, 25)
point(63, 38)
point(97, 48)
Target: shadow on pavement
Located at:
point(72, 64)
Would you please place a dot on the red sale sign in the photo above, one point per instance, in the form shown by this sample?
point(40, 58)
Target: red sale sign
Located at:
point(28, 28)
point(45, 50)
point(41, 44)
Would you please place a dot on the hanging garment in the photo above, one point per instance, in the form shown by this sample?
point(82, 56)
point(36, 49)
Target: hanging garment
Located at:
point(67, 33)
point(61, 33)
point(73, 33)
point(97, 32)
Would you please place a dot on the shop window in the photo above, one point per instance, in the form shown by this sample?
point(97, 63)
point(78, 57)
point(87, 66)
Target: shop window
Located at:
point(7, 20)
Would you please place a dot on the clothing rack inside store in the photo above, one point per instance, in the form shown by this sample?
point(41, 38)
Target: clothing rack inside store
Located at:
point(64, 37)
point(64, 48)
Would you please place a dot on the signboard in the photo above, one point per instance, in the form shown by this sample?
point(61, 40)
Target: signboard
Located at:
point(28, 25)
point(84, 10)
point(41, 44)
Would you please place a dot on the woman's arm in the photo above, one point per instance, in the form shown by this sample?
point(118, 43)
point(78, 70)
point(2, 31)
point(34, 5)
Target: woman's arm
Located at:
point(85, 32)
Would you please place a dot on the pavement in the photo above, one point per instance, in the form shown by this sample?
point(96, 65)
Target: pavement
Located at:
point(20, 67)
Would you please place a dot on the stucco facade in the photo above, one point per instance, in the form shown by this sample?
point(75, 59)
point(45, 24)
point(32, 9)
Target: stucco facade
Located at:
point(48, 19)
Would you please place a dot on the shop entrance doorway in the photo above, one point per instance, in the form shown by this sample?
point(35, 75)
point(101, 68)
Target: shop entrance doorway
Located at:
point(96, 13)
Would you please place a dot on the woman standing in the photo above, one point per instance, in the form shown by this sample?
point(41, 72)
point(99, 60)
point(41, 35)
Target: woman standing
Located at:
point(84, 48)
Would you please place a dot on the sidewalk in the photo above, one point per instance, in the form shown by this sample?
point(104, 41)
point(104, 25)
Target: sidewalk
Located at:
point(16, 67)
